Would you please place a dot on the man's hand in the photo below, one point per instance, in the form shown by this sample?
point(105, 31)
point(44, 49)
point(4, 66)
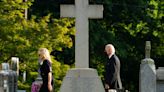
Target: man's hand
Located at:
point(107, 86)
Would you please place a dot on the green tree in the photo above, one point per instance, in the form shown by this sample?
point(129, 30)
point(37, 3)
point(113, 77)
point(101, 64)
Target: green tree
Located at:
point(22, 38)
point(127, 24)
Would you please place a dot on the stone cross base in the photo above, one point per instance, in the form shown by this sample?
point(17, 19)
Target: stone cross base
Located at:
point(82, 80)
point(21, 90)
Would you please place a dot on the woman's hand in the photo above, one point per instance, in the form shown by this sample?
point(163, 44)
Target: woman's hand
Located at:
point(50, 87)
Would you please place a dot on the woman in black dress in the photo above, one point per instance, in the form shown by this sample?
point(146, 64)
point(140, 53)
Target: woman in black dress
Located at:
point(45, 70)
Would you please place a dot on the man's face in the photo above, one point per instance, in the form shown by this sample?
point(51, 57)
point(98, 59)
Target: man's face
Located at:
point(108, 50)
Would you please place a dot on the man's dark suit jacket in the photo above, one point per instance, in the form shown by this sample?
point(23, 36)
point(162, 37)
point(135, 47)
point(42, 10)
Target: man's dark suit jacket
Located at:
point(112, 73)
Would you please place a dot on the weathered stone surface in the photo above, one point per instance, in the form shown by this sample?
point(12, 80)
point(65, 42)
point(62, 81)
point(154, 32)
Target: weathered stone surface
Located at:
point(21, 91)
point(147, 82)
point(82, 11)
point(160, 73)
point(160, 79)
point(82, 80)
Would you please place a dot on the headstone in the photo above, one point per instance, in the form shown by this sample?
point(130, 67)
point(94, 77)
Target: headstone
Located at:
point(24, 74)
point(8, 79)
point(15, 64)
point(160, 79)
point(82, 78)
point(82, 11)
point(5, 66)
point(147, 80)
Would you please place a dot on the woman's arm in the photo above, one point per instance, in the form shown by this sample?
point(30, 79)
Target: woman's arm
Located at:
point(49, 81)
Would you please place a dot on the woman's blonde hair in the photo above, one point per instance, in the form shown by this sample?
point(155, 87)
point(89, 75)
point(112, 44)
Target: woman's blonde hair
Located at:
point(44, 53)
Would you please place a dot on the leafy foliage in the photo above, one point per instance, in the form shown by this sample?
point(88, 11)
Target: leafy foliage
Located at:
point(127, 24)
point(22, 38)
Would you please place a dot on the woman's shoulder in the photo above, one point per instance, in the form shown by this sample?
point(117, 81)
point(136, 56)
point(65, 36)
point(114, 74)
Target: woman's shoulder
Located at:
point(46, 61)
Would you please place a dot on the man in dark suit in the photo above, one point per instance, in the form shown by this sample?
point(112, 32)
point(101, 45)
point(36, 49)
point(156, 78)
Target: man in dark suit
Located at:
point(112, 69)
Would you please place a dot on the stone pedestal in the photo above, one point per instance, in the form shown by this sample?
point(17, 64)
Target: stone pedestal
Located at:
point(21, 90)
point(147, 76)
point(82, 80)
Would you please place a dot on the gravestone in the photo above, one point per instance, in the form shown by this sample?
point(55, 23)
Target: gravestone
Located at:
point(82, 78)
point(160, 79)
point(15, 64)
point(151, 80)
point(147, 76)
point(8, 79)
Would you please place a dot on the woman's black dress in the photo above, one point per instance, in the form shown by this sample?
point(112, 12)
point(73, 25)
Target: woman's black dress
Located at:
point(45, 68)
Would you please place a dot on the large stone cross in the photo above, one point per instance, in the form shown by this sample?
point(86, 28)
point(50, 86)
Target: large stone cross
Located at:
point(82, 11)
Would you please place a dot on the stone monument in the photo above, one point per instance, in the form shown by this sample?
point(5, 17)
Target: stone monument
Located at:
point(147, 75)
point(8, 79)
point(160, 79)
point(15, 64)
point(82, 78)
point(151, 80)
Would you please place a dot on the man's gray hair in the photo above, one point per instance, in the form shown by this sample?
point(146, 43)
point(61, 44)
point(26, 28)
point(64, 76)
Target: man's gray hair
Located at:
point(112, 47)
